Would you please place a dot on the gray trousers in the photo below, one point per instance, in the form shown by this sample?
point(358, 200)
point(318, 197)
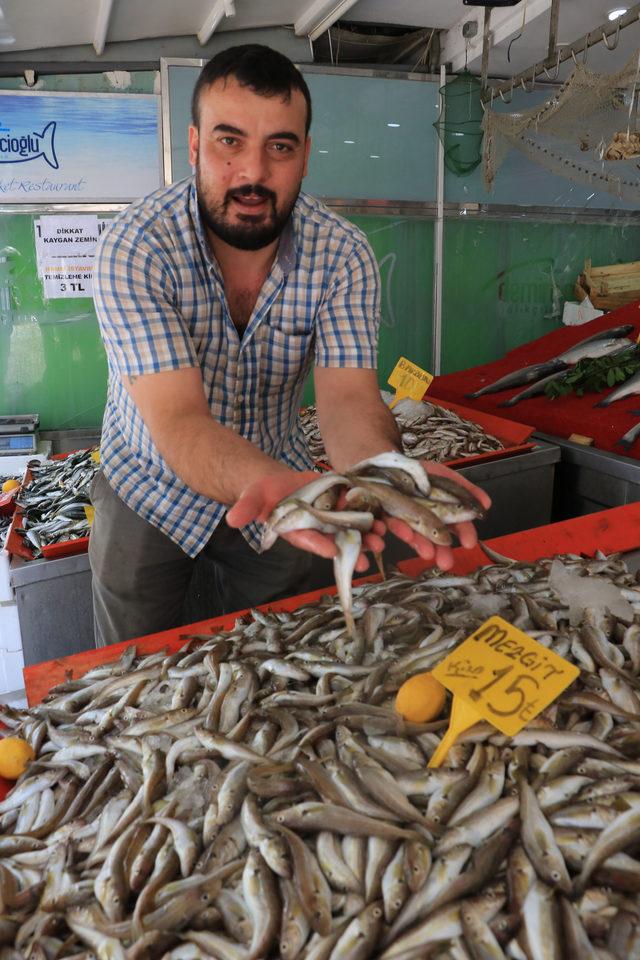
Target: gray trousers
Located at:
point(141, 578)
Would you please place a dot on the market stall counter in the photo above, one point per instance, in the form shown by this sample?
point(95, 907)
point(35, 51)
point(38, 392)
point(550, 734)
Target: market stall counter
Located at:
point(267, 746)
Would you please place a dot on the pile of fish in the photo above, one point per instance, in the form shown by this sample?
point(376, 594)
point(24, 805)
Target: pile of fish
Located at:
point(255, 795)
point(603, 344)
point(428, 432)
point(53, 502)
point(347, 505)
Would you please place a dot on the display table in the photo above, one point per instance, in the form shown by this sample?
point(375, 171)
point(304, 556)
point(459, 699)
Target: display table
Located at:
point(611, 531)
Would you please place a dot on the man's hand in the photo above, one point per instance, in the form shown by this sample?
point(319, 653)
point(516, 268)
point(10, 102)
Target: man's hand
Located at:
point(466, 532)
point(258, 500)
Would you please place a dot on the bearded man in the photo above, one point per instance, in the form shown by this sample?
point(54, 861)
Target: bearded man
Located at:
point(215, 297)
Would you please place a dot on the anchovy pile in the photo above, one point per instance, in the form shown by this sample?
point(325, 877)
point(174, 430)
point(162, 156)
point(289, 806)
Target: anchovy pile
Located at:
point(255, 795)
point(53, 501)
point(388, 483)
point(428, 432)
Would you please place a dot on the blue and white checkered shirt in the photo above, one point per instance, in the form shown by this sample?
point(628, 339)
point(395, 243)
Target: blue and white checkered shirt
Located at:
point(159, 298)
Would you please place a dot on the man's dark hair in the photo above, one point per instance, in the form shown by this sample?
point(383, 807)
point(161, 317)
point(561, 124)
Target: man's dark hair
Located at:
point(265, 71)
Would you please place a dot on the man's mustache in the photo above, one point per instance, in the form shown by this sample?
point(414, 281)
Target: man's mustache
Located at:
point(249, 190)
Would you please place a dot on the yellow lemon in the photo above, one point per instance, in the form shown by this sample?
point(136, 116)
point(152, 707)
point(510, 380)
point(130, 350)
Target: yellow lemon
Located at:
point(15, 754)
point(420, 698)
point(10, 485)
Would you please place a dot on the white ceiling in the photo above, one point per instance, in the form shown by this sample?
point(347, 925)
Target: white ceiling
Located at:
point(41, 24)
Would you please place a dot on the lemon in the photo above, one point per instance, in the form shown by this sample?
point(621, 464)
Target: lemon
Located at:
point(10, 485)
point(420, 698)
point(15, 754)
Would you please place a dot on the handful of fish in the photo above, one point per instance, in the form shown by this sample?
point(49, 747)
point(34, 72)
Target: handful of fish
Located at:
point(389, 483)
point(428, 432)
point(255, 795)
point(53, 501)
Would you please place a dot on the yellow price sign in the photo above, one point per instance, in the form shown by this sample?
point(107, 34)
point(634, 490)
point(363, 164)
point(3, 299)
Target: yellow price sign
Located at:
point(502, 675)
point(95, 456)
point(409, 380)
point(89, 513)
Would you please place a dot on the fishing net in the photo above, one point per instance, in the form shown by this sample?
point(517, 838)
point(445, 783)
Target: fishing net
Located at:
point(588, 131)
point(459, 125)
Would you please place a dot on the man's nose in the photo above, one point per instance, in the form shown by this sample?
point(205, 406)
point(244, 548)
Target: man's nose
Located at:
point(254, 166)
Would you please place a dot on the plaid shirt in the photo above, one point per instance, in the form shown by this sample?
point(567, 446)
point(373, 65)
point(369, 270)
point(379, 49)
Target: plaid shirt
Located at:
point(160, 303)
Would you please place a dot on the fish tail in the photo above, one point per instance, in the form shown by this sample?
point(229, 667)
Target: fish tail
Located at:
point(48, 146)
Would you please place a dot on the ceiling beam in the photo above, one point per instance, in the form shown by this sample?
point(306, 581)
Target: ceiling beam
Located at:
point(220, 10)
point(319, 15)
point(102, 26)
point(505, 23)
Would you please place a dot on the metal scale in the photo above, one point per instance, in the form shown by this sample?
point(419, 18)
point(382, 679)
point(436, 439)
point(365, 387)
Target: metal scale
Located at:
point(18, 434)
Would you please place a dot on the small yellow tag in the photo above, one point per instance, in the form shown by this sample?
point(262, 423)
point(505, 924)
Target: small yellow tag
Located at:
point(638, 340)
point(409, 381)
point(503, 676)
point(89, 513)
point(95, 456)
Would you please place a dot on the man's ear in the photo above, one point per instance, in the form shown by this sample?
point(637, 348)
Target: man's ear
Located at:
point(193, 145)
point(307, 151)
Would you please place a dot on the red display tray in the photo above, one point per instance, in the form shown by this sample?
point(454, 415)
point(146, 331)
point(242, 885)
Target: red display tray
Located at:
point(514, 436)
point(612, 530)
point(18, 546)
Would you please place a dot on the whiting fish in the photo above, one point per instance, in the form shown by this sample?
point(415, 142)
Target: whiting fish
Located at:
point(276, 805)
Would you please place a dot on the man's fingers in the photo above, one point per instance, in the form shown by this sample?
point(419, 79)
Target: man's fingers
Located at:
point(249, 507)
point(373, 542)
point(467, 534)
point(312, 542)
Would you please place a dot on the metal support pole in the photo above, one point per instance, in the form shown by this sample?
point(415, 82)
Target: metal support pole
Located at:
point(438, 246)
point(553, 28)
point(486, 46)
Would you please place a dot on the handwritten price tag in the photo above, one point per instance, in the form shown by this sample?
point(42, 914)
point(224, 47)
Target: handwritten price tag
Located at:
point(409, 381)
point(501, 675)
point(95, 456)
point(89, 513)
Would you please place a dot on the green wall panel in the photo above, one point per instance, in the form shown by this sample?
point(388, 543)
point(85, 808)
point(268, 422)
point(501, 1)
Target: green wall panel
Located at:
point(505, 281)
point(404, 252)
point(51, 357)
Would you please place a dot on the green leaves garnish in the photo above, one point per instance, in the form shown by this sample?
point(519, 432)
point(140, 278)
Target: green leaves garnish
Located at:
point(592, 375)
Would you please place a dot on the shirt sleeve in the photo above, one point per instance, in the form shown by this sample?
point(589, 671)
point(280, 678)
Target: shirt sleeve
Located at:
point(135, 293)
point(348, 321)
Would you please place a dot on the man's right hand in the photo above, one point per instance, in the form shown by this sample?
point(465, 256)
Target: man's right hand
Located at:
point(258, 500)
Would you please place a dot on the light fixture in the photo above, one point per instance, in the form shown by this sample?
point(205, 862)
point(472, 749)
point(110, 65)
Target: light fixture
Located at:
point(319, 16)
point(349, 141)
point(323, 151)
point(617, 12)
point(374, 156)
point(393, 124)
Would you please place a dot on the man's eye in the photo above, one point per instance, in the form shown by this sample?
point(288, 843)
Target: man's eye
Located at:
point(228, 141)
point(282, 147)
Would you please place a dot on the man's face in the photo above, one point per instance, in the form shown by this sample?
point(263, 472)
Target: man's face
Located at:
point(250, 153)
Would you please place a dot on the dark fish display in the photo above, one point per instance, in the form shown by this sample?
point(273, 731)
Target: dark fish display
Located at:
point(599, 345)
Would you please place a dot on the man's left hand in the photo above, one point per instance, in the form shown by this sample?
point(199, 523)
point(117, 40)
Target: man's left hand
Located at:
point(442, 557)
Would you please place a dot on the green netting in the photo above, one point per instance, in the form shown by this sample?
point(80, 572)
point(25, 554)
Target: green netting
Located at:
point(459, 125)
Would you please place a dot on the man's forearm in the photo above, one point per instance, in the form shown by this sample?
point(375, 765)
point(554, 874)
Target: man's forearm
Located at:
point(353, 431)
point(212, 459)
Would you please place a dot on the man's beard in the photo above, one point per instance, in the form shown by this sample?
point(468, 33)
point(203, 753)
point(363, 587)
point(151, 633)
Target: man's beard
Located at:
point(248, 235)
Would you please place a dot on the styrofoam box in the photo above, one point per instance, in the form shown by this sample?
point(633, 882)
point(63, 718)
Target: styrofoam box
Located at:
point(14, 466)
point(11, 665)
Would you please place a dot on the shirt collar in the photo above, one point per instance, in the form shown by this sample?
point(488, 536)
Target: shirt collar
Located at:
point(287, 252)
